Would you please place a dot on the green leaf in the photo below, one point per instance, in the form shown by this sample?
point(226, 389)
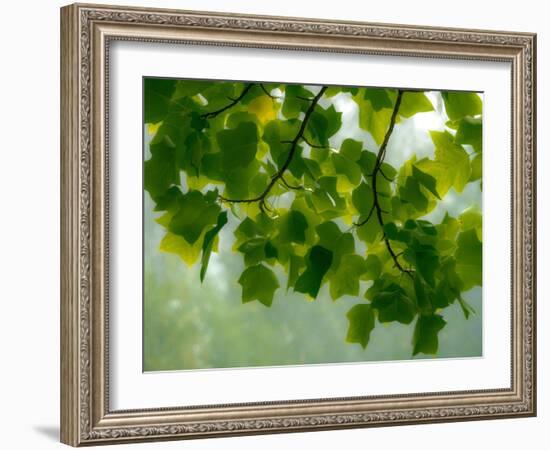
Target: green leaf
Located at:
point(425, 180)
point(425, 258)
point(331, 238)
point(367, 162)
point(450, 286)
point(371, 119)
point(378, 98)
point(326, 197)
point(258, 283)
point(234, 119)
point(411, 193)
point(361, 323)
point(351, 149)
point(439, 171)
point(293, 105)
point(239, 182)
point(253, 250)
point(295, 265)
point(472, 218)
point(426, 227)
point(448, 228)
point(392, 232)
point(189, 253)
point(477, 168)
point(454, 159)
point(461, 104)
point(346, 167)
point(169, 201)
point(211, 166)
point(313, 170)
point(258, 184)
point(270, 250)
point(195, 214)
point(189, 155)
point(422, 295)
point(362, 198)
point(394, 305)
point(345, 281)
point(246, 230)
point(323, 123)
point(238, 146)
point(466, 307)
point(469, 259)
point(425, 339)
point(373, 268)
point(209, 241)
point(190, 88)
point(413, 103)
point(293, 227)
point(371, 231)
point(277, 134)
point(160, 171)
point(217, 95)
point(318, 262)
point(157, 94)
point(470, 132)
point(303, 205)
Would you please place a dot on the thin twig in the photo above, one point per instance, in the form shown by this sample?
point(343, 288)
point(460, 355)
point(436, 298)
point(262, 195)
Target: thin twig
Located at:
point(229, 105)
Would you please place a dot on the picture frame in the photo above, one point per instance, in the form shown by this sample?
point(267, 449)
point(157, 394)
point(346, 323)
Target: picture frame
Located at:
point(87, 416)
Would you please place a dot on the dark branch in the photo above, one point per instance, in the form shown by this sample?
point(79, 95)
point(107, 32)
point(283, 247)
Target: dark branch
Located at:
point(293, 147)
point(377, 169)
point(229, 105)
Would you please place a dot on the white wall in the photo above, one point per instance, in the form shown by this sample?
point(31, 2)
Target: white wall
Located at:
point(29, 228)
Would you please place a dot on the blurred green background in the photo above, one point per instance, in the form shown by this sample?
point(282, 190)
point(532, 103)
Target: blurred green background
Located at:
point(189, 325)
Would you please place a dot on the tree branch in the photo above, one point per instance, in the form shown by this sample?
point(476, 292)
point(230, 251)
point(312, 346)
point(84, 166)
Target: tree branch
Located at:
point(229, 105)
point(377, 169)
point(293, 147)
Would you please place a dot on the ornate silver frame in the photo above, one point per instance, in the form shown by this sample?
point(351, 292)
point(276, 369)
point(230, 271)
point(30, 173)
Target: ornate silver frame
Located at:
point(86, 31)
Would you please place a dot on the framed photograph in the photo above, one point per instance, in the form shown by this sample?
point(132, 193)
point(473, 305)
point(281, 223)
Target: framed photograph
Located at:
point(276, 225)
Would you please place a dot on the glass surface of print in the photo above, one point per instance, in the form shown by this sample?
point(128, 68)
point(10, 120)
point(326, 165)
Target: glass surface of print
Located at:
point(296, 224)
